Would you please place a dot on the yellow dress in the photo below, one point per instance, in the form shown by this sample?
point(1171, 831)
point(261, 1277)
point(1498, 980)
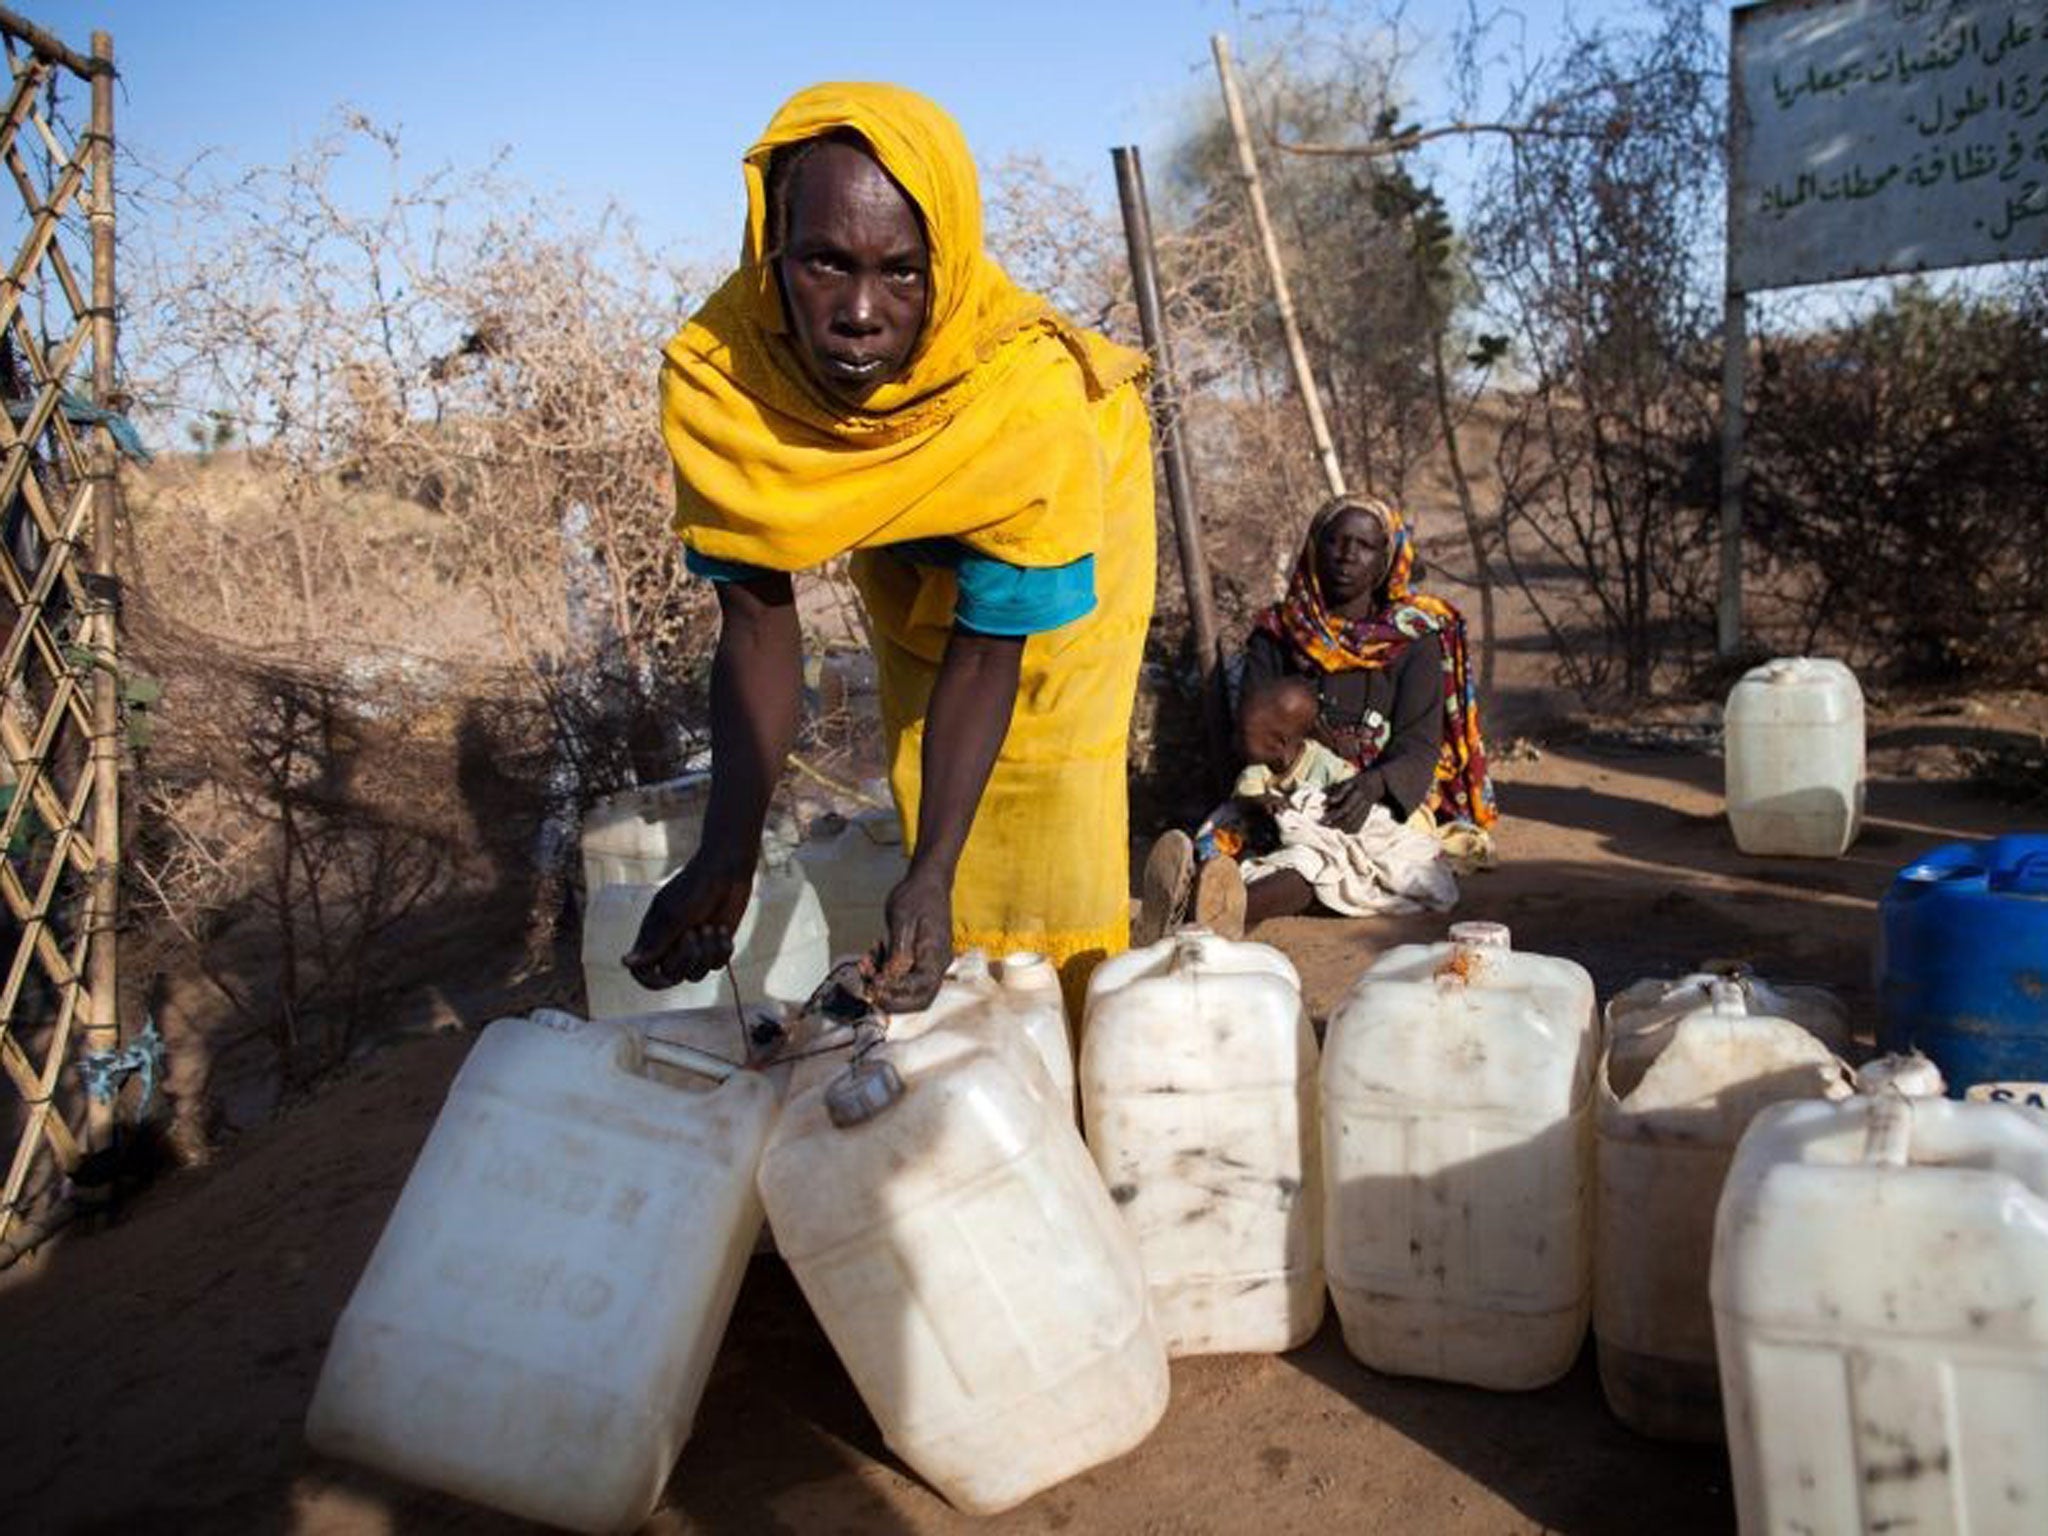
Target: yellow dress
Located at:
point(1012, 431)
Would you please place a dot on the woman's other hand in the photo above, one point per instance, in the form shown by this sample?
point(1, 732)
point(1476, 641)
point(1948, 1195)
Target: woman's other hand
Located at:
point(1346, 805)
point(688, 930)
point(917, 947)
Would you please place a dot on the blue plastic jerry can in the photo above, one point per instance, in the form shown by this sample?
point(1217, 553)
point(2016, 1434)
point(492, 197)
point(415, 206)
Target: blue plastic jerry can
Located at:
point(1962, 966)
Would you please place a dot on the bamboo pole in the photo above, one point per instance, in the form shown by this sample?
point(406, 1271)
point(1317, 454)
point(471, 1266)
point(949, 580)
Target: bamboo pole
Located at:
point(103, 1028)
point(53, 48)
point(1297, 354)
point(1180, 490)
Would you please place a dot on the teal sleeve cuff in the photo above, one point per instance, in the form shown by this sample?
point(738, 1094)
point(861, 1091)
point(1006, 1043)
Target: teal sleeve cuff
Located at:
point(997, 598)
point(714, 569)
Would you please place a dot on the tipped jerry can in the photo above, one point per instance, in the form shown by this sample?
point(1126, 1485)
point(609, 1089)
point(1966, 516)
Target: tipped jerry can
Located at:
point(1457, 1156)
point(1879, 1265)
point(1793, 745)
point(1645, 1012)
point(1198, 1091)
point(936, 1204)
point(641, 836)
point(537, 1321)
point(1962, 969)
point(853, 862)
point(779, 953)
point(1675, 1095)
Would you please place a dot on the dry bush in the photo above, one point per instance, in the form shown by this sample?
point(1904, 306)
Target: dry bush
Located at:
point(309, 828)
point(449, 402)
point(1899, 471)
point(414, 595)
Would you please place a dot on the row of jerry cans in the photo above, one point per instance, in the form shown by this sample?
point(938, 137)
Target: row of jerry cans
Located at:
point(1860, 1264)
point(1474, 1174)
point(535, 1326)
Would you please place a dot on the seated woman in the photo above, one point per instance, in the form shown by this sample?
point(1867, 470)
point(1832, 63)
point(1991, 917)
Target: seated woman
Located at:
point(1395, 700)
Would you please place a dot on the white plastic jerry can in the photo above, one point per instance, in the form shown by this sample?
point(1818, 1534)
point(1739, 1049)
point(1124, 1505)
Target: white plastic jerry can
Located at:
point(1031, 983)
point(943, 1218)
point(1198, 1091)
point(1879, 1269)
point(1457, 1155)
point(536, 1323)
point(853, 863)
point(1674, 1098)
point(779, 954)
point(1643, 1014)
point(1793, 745)
point(642, 836)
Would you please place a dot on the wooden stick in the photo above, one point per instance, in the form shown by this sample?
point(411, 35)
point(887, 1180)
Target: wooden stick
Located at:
point(837, 786)
point(1180, 486)
point(1297, 354)
point(53, 48)
point(102, 1024)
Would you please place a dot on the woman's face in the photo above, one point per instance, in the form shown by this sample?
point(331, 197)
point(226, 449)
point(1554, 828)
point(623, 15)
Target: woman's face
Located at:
point(1352, 557)
point(855, 270)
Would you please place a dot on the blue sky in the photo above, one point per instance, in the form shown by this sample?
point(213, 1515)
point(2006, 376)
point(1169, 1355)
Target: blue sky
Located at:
point(650, 105)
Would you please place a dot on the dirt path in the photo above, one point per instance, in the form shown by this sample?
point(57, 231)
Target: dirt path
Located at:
point(157, 1371)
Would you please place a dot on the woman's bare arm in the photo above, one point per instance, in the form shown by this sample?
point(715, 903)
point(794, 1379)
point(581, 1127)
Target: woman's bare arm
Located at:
point(965, 722)
point(756, 689)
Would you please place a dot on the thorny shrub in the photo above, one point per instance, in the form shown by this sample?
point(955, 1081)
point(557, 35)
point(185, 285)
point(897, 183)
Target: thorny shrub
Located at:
point(1899, 476)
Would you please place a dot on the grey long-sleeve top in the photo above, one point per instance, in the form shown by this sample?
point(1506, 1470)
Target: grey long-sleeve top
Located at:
point(1407, 696)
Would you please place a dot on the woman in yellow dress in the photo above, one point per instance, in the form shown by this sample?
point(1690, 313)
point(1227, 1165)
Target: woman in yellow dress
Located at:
point(869, 380)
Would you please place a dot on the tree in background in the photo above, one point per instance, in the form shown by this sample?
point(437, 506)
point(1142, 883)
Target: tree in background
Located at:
point(1595, 246)
point(1899, 471)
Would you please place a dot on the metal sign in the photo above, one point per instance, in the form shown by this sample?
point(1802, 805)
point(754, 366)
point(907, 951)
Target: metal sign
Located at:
point(1875, 136)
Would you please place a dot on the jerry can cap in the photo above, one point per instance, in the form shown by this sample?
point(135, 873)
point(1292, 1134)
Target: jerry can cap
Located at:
point(1909, 1073)
point(1482, 935)
point(864, 1090)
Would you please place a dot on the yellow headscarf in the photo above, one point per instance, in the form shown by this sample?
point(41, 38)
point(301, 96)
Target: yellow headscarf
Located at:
point(985, 438)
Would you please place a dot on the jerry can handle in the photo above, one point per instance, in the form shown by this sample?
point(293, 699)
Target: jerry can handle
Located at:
point(1889, 1139)
point(2026, 876)
point(688, 1058)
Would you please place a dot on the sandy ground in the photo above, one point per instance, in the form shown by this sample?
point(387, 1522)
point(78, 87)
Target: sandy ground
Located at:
point(157, 1369)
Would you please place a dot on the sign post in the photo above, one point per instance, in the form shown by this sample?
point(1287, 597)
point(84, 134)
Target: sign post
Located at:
point(1868, 137)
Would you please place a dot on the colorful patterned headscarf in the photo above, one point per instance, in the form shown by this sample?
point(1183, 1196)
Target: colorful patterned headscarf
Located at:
point(1333, 643)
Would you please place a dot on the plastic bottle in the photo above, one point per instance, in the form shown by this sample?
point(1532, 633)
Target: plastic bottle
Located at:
point(1198, 1073)
point(942, 1216)
point(1673, 1100)
point(536, 1324)
point(1794, 758)
point(1457, 1148)
point(1879, 1264)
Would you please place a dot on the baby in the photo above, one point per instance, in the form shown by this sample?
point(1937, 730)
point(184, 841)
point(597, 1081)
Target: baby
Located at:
point(1273, 725)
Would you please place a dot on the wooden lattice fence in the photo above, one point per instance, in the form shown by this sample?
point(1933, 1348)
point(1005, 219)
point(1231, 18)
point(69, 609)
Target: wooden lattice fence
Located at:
point(62, 1062)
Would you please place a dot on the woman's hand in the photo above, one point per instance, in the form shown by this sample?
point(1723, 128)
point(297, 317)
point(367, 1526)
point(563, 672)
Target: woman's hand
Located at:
point(917, 946)
point(688, 930)
point(1346, 805)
